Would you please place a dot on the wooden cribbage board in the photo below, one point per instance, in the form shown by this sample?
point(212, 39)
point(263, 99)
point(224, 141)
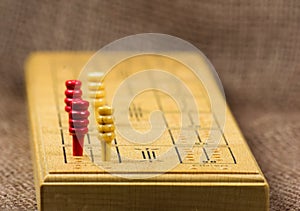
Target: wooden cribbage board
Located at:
point(228, 180)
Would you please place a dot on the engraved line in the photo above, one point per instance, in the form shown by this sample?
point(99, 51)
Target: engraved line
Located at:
point(143, 154)
point(234, 160)
point(206, 155)
point(118, 152)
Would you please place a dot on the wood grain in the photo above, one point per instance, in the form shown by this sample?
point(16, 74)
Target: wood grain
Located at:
point(229, 180)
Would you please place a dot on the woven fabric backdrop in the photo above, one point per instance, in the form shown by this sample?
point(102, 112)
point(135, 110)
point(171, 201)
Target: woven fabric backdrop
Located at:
point(254, 46)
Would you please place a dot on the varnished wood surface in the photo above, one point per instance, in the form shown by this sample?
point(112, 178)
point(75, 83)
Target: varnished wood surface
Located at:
point(229, 180)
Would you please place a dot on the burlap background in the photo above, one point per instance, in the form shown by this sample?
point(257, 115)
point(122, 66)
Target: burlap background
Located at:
point(254, 45)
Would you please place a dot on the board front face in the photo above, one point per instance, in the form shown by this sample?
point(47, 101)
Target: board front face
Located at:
point(230, 163)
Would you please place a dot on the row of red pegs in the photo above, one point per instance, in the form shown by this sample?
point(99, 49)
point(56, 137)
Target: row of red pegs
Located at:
point(78, 115)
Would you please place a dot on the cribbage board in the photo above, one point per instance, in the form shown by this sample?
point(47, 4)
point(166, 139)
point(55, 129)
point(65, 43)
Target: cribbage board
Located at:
point(228, 179)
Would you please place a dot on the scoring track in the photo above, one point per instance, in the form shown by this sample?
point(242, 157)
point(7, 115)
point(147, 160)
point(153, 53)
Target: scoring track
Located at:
point(232, 155)
point(140, 111)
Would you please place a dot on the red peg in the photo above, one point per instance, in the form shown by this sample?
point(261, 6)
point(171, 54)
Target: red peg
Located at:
point(73, 114)
point(73, 92)
point(72, 84)
point(80, 105)
point(78, 142)
point(78, 122)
